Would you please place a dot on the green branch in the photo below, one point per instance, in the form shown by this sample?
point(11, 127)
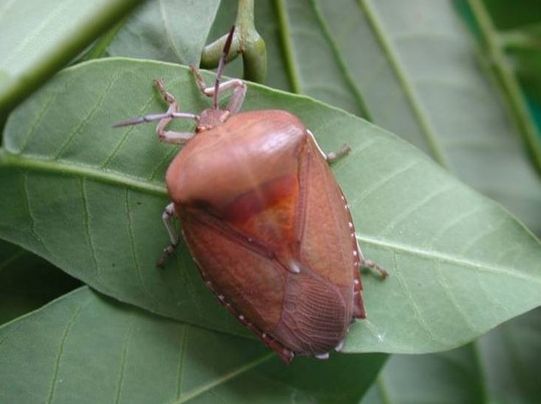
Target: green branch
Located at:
point(246, 42)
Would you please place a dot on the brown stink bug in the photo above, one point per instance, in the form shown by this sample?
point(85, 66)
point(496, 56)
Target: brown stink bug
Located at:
point(264, 219)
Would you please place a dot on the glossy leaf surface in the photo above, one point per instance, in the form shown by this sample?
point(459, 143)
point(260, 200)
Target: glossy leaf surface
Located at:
point(39, 36)
point(500, 367)
point(166, 30)
point(91, 348)
point(89, 198)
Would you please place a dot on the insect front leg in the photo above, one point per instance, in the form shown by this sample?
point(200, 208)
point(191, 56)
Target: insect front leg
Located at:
point(168, 216)
point(169, 136)
point(164, 119)
point(239, 90)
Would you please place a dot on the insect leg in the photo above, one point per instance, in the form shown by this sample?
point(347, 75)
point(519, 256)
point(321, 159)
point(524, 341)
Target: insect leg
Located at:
point(169, 136)
point(369, 264)
point(334, 156)
point(164, 119)
point(238, 86)
point(167, 217)
point(237, 98)
point(200, 81)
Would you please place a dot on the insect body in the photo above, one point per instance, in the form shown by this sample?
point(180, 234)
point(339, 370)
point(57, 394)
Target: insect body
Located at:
point(265, 221)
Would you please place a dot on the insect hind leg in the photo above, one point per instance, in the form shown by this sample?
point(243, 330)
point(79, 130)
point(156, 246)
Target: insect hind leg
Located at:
point(167, 216)
point(337, 155)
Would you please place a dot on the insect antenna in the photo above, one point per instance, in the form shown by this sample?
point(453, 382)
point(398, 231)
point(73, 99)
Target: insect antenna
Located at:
point(221, 65)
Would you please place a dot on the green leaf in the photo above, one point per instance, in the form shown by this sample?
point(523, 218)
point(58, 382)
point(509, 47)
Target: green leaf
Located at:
point(40, 36)
point(166, 30)
point(409, 67)
point(89, 198)
point(88, 348)
point(511, 13)
point(492, 48)
point(509, 357)
point(446, 377)
point(500, 367)
point(28, 282)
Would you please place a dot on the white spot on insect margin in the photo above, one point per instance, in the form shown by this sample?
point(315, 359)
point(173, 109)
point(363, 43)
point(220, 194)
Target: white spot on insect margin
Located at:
point(241, 317)
point(294, 267)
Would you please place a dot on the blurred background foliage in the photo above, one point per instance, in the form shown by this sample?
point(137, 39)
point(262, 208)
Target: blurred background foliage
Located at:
point(501, 367)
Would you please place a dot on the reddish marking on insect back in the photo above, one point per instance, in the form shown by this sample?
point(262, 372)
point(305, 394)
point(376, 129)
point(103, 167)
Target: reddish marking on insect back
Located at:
point(273, 198)
point(267, 212)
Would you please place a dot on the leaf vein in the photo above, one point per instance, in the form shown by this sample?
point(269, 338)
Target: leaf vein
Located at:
point(36, 163)
point(449, 293)
point(225, 378)
point(411, 209)
point(125, 137)
point(382, 181)
point(400, 72)
point(133, 244)
point(63, 340)
point(169, 35)
point(35, 123)
point(491, 229)
point(450, 224)
point(32, 37)
point(87, 118)
point(444, 257)
point(86, 224)
point(123, 358)
point(416, 310)
point(26, 194)
point(351, 84)
point(182, 355)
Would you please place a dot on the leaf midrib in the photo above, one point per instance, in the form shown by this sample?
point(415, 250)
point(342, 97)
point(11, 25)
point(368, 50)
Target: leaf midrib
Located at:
point(443, 257)
point(39, 163)
point(35, 163)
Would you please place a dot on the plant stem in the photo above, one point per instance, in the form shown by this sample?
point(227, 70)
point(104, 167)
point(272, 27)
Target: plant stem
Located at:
point(246, 41)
